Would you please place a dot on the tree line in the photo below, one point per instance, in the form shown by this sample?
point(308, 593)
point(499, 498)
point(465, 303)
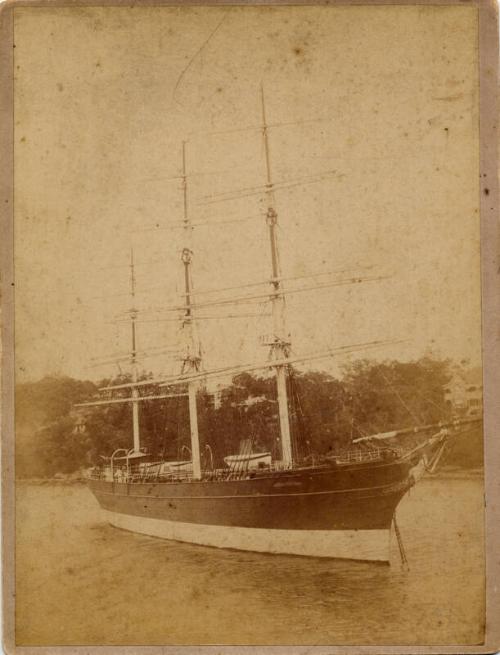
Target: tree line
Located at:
point(327, 413)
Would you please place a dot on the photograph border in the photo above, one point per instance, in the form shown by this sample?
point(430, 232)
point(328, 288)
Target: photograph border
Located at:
point(490, 271)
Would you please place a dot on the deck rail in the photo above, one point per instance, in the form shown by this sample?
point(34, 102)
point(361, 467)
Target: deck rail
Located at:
point(374, 454)
point(156, 471)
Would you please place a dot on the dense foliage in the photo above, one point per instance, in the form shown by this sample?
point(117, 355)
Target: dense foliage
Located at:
point(327, 413)
point(45, 443)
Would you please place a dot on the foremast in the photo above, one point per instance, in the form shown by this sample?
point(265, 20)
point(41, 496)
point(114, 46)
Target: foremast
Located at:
point(280, 344)
point(191, 362)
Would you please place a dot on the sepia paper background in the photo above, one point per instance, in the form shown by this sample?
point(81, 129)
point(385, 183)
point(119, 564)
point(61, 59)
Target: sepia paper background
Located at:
point(103, 96)
point(98, 145)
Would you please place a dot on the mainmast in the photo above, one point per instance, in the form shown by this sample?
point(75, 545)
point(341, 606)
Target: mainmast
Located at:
point(192, 358)
point(133, 358)
point(280, 346)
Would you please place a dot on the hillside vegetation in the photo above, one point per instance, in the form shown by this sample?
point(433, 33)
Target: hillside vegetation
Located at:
point(327, 414)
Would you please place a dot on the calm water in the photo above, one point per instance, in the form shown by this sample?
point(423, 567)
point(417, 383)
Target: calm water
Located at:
point(80, 581)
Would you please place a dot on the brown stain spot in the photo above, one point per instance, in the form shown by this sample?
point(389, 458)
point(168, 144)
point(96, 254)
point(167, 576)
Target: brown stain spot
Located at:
point(486, 192)
point(60, 87)
point(298, 51)
point(98, 64)
point(23, 139)
point(219, 89)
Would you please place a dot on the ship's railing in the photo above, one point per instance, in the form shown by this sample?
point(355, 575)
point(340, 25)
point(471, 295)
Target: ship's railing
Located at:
point(155, 473)
point(122, 474)
point(372, 455)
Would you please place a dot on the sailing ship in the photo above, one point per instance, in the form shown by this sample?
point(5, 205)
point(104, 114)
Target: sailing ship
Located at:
point(339, 505)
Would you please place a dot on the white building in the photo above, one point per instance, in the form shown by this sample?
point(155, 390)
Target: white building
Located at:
point(464, 392)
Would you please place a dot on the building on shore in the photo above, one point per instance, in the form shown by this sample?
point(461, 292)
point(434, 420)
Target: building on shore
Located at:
point(464, 392)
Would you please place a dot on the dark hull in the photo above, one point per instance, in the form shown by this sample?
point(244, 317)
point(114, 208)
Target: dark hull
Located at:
point(307, 499)
point(330, 511)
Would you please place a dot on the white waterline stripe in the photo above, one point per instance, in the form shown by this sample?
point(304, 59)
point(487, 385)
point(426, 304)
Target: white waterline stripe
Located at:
point(368, 545)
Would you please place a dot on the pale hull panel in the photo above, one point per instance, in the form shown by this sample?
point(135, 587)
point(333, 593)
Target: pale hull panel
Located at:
point(367, 545)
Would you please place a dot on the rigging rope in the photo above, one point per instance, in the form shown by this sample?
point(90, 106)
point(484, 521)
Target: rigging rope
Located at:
point(402, 552)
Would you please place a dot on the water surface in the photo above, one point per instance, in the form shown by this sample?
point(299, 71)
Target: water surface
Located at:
point(81, 581)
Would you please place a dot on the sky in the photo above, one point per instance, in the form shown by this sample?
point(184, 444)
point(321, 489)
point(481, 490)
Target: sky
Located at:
point(374, 123)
